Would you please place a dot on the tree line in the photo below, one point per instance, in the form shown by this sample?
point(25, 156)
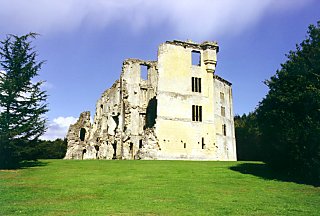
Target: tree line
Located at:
point(284, 130)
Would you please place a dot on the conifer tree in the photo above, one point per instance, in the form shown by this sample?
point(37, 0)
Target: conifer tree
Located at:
point(22, 102)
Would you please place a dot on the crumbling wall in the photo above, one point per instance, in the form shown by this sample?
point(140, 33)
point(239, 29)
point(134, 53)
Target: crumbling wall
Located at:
point(149, 148)
point(137, 91)
point(161, 114)
point(120, 117)
point(78, 136)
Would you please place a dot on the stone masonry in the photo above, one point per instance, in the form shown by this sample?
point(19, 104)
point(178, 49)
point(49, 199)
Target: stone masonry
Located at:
point(178, 109)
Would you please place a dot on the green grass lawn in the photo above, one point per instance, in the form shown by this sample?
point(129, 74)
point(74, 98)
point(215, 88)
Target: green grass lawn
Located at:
point(65, 187)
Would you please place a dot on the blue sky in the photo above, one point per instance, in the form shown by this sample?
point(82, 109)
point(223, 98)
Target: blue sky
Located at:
point(85, 41)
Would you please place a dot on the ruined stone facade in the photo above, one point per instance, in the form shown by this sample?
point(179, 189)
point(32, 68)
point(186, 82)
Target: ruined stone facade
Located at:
point(179, 110)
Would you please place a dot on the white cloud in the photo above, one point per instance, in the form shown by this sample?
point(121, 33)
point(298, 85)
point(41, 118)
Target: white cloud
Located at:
point(58, 128)
point(187, 18)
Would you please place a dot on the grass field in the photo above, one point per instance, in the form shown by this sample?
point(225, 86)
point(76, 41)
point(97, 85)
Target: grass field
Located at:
point(60, 187)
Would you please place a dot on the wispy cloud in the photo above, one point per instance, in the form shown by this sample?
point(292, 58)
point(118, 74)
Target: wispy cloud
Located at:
point(187, 18)
point(58, 127)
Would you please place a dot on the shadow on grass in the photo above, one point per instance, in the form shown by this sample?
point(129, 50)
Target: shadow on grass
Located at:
point(28, 164)
point(25, 165)
point(266, 172)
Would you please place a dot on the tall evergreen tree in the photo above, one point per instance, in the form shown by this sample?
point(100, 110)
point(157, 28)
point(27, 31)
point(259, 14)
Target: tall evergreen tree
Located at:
point(22, 102)
point(289, 115)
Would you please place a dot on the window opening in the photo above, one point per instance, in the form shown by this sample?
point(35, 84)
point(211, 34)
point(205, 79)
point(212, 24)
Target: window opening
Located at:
point(196, 113)
point(144, 72)
point(97, 150)
point(221, 96)
point(184, 145)
point(192, 83)
point(193, 112)
point(223, 111)
point(140, 144)
point(224, 129)
point(196, 84)
point(82, 134)
point(83, 152)
point(203, 145)
point(196, 58)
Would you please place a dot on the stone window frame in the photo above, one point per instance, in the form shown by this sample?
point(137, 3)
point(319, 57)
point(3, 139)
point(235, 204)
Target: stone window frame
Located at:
point(196, 58)
point(144, 74)
point(196, 84)
point(221, 96)
point(223, 111)
point(196, 113)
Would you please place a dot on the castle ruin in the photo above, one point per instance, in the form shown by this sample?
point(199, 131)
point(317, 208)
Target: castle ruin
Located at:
point(175, 108)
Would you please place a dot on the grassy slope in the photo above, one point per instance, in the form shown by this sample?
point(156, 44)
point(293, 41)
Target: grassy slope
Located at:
point(149, 188)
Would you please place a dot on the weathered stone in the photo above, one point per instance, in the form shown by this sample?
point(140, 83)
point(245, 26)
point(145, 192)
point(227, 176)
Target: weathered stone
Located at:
point(181, 110)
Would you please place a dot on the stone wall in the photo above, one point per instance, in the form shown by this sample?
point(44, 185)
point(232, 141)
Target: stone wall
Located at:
point(150, 114)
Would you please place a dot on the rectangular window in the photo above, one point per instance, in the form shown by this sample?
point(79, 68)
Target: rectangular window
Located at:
point(224, 129)
point(196, 113)
point(221, 96)
point(223, 111)
point(196, 84)
point(144, 72)
point(193, 112)
point(196, 58)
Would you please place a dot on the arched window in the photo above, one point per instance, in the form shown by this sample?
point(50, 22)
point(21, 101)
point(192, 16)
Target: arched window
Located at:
point(82, 134)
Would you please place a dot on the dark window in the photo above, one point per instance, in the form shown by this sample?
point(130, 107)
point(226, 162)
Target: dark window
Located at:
point(193, 112)
point(140, 144)
point(196, 113)
point(196, 84)
point(82, 134)
point(196, 58)
point(224, 129)
point(144, 72)
point(184, 145)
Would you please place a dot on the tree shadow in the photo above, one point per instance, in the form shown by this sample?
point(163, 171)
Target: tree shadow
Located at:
point(25, 165)
point(264, 171)
point(29, 164)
